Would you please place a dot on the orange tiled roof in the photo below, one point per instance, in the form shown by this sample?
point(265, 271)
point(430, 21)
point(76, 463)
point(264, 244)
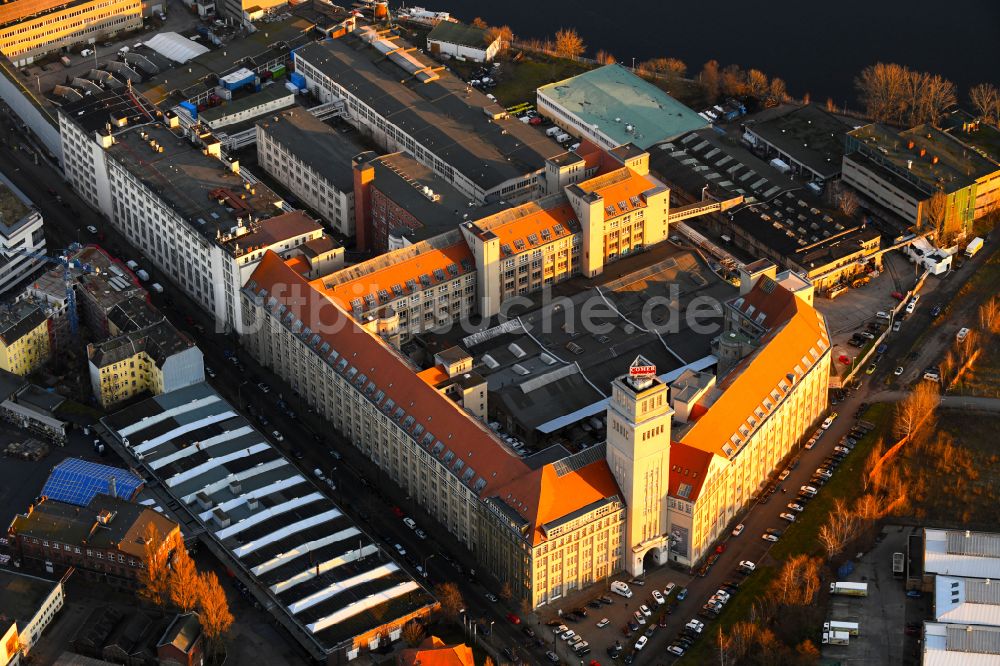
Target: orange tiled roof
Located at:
point(543, 496)
point(404, 275)
point(688, 465)
point(796, 328)
point(433, 376)
point(298, 264)
point(436, 419)
point(457, 438)
point(434, 652)
point(622, 186)
point(536, 229)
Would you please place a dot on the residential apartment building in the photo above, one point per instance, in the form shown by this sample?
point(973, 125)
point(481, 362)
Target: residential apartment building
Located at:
point(903, 171)
point(405, 292)
point(407, 103)
point(313, 160)
point(446, 459)
point(30, 29)
point(24, 337)
point(187, 208)
point(21, 233)
point(30, 604)
point(146, 353)
point(103, 540)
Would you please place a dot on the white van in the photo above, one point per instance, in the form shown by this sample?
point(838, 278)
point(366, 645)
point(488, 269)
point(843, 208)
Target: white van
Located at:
point(620, 588)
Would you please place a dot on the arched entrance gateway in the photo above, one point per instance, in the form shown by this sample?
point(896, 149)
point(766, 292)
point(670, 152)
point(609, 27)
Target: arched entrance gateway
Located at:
point(653, 558)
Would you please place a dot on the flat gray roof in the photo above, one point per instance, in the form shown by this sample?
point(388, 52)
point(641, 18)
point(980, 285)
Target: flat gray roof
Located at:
point(444, 115)
point(327, 151)
point(21, 596)
point(809, 135)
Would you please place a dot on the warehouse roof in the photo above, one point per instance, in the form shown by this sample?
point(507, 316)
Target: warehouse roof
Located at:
point(809, 135)
point(332, 578)
point(614, 99)
point(327, 151)
point(962, 553)
point(463, 34)
point(441, 112)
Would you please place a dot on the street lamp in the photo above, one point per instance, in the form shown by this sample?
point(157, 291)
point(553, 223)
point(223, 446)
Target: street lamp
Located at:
point(426, 560)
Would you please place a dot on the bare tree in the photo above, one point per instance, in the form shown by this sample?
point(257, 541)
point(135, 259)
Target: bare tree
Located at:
point(757, 84)
point(989, 315)
point(881, 88)
point(932, 94)
point(709, 78)
point(734, 80)
point(183, 580)
point(838, 530)
point(797, 582)
point(479, 23)
point(569, 44)
point(807, 653)
point(154, 572)
point(917, 410)
point(413, 633)
point(986, 99)
point(605, 58)
point(503, 33)
point(935, 210)
point(778, 91)
point(847, 202)
point(868, 508)
point(451, 599)
point(213, 611)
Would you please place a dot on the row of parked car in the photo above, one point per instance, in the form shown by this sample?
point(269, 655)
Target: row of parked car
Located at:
point(709, 611)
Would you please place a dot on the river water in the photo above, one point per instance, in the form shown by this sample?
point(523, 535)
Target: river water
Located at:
point(816, 46)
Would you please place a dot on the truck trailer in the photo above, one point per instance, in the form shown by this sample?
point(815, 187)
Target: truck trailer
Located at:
point(974, 246)
point(849, 589)
point(898, 565)
point(837, 637)
point(852, 628)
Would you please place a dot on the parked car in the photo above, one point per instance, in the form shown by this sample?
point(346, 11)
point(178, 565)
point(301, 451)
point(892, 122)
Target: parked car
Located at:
point(278, 437)
point(603, 623)
point(738, 530)
point(682, 595)
point(768, 537)
point(658, 598)
point(669, 588)
point(790, 517)
point(795, 506)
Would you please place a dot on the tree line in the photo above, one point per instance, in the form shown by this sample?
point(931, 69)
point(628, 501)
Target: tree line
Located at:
point(889, 92)
point(170, 580)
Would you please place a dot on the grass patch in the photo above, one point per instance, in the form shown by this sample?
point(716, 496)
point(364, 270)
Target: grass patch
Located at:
point(953, 477)
point(983, 378)
point(518, 81)
point(799, 538)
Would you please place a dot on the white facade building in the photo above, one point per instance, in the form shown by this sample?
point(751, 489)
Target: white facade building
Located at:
point(20, 232)
point(189, 210)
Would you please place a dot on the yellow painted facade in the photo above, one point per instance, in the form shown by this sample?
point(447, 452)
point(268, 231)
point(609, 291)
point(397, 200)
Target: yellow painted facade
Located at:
point(37, 33)
point(28, 352)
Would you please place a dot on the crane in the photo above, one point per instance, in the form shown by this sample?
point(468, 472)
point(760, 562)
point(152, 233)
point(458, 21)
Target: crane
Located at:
point(68, 265)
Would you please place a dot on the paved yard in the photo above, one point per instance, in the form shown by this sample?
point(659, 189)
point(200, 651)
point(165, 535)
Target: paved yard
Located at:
point(883, 614)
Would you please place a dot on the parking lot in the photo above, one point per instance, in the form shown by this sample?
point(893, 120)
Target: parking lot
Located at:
point(883, 614)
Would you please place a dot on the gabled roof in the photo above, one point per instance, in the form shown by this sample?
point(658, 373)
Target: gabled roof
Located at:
point(183, 632)
point(688, 468)
point(544, 496)
point(434, 652)
point(396, 382)
point(458, 441)
point(462, 34)
point(796, 339)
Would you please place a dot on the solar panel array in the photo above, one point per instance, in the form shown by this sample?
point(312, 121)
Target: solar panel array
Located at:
point(76, 481)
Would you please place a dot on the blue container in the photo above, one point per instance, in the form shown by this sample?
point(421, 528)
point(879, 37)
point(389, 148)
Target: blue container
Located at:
point(298, 80)
point(191, 109)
